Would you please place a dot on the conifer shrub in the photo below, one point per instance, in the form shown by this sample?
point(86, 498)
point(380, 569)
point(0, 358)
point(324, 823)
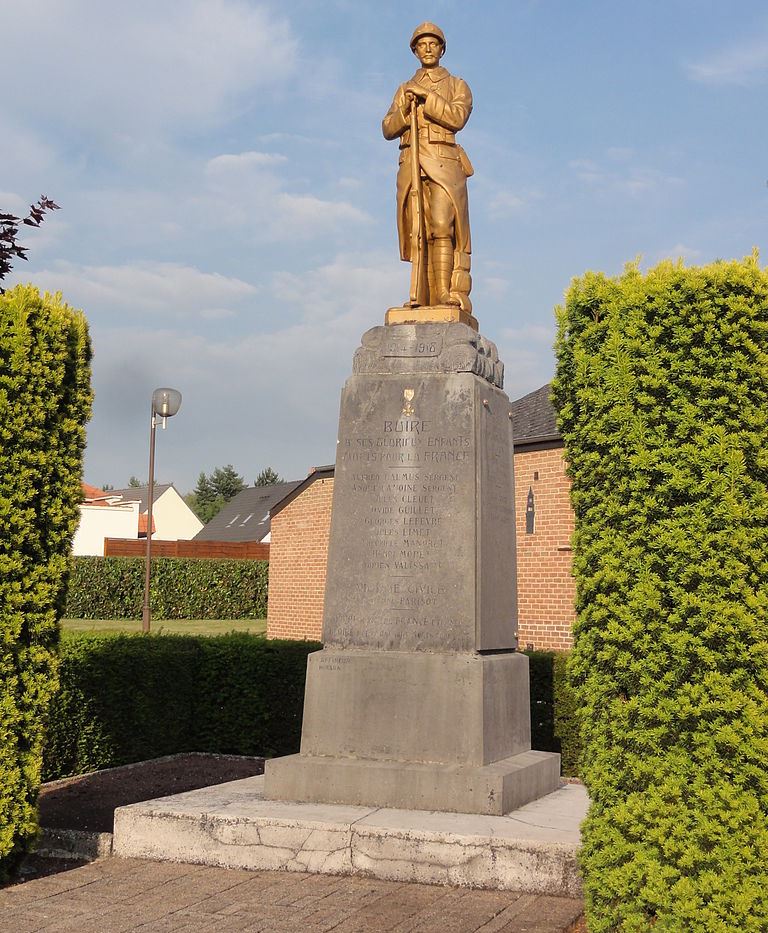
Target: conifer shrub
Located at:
point(45, 400)
point(662, 399)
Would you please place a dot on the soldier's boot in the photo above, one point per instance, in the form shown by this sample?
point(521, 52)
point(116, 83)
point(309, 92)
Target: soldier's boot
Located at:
point(461, 281)
point(442, 267)
point(433, 287)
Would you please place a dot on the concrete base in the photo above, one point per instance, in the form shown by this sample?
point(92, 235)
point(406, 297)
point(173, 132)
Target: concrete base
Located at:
point(450, 709)
point(430, 314)
point(533, 849)
point(492, 789)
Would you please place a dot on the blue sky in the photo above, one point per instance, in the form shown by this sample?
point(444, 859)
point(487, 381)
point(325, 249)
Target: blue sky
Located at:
point(227, 198)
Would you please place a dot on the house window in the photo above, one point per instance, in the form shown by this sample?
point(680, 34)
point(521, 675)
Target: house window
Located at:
point(530, 513)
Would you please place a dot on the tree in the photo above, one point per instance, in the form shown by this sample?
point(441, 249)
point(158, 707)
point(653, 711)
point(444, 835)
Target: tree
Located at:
point(267, 477)
point(212, 493)
point(107, 487)
point(135, 483)
point(227, 482)
point(9, 230)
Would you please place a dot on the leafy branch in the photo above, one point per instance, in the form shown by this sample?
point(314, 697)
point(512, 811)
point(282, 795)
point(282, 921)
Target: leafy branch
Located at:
point(9, 230)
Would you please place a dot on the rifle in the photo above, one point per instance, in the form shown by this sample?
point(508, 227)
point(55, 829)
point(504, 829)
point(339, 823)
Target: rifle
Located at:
point(419, 295)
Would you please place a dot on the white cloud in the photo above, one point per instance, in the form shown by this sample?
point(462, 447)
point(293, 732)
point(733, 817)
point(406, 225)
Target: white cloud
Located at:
point(267, 397)
point(163, 288)
point(494, 285)
point(743, 64)
point(353, 184)
point(629, 179)
point(133, 68)
point(360, 287)
point(11, 203)
point(620, 153)
point(506, 203)
point(243, 160)
point(527, 355)
point(217, 314)
point(305, 215)
point(529, 334)
point(25, 156)
point(680, 251)
point(248, 190)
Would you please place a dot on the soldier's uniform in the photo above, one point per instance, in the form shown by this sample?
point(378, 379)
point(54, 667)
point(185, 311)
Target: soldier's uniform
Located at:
point(444, 169)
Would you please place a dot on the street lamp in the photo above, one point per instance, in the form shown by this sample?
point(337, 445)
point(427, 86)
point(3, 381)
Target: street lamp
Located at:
point(165, 404)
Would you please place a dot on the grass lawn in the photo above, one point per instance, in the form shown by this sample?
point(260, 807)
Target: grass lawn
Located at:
point(160, 626)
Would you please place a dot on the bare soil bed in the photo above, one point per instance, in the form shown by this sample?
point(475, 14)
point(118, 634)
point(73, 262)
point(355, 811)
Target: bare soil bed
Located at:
point(87, 802)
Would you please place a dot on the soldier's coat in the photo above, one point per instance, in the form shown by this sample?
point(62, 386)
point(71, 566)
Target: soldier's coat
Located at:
point(445, 112)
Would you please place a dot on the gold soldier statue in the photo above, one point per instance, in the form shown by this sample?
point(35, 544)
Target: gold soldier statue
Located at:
point(432, 207)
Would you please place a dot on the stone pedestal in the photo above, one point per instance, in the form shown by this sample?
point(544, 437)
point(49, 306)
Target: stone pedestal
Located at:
point(419, 699)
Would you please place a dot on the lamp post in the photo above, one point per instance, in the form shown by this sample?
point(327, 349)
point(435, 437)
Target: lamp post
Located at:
point(165, 404)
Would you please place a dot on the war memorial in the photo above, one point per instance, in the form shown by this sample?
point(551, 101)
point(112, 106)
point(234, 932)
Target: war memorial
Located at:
point(416, 729)
point(419, 698)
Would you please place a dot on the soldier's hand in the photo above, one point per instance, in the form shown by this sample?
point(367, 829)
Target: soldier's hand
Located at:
point(416, 90)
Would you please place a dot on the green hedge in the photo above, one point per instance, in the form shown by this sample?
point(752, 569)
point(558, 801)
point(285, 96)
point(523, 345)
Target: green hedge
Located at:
point(553, 709)
point(45, 400)
point(131, 697)
point(662, 392)
point(182, 588)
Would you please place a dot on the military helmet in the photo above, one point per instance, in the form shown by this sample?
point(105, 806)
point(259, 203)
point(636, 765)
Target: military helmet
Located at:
point(428, 29)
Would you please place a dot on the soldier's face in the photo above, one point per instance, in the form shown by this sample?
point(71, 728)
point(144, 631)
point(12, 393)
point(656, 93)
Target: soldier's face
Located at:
point(428, 50)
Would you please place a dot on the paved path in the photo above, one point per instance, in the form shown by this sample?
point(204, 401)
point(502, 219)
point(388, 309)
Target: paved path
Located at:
point(113, 894)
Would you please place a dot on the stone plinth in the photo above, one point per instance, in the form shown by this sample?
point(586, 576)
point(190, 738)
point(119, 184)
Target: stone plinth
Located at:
point(419, 698)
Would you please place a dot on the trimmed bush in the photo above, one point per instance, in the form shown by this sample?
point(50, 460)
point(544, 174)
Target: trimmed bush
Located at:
point(250, 694)
point(127, 698)
point(662, 393)
point(553, 709)
point(131, 697)
point(182, 588)
point(45, 400)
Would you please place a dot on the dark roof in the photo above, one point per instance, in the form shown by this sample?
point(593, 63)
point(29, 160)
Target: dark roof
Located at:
point(141, 494)
point(321, 472)
point(533, 417)
point(246, 517)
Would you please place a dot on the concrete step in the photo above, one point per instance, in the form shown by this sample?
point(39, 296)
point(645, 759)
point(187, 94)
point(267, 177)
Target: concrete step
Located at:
point(533, 849)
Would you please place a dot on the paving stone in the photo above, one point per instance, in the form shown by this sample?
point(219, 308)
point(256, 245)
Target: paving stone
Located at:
point(116, 896)
point(548, 915)
point(525, 903)
point(460, 910)
point(395, 907)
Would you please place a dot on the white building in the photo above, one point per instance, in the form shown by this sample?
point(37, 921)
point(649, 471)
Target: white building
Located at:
point(122, 513)
point(172, 518)
point(103, 515)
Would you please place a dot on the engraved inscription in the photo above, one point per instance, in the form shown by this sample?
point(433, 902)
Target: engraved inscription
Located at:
point(406, 525)
point(403, 345)
point(334, 663)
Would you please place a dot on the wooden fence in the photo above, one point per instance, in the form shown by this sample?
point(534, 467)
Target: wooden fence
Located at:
point(137, 547)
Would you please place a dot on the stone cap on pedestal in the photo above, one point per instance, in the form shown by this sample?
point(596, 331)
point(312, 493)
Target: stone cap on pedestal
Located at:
point(430, 314)
point(428, 348)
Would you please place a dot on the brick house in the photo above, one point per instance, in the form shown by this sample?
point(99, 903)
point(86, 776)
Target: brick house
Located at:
point(298, 554)
point(301, 526)
point(544, 519)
